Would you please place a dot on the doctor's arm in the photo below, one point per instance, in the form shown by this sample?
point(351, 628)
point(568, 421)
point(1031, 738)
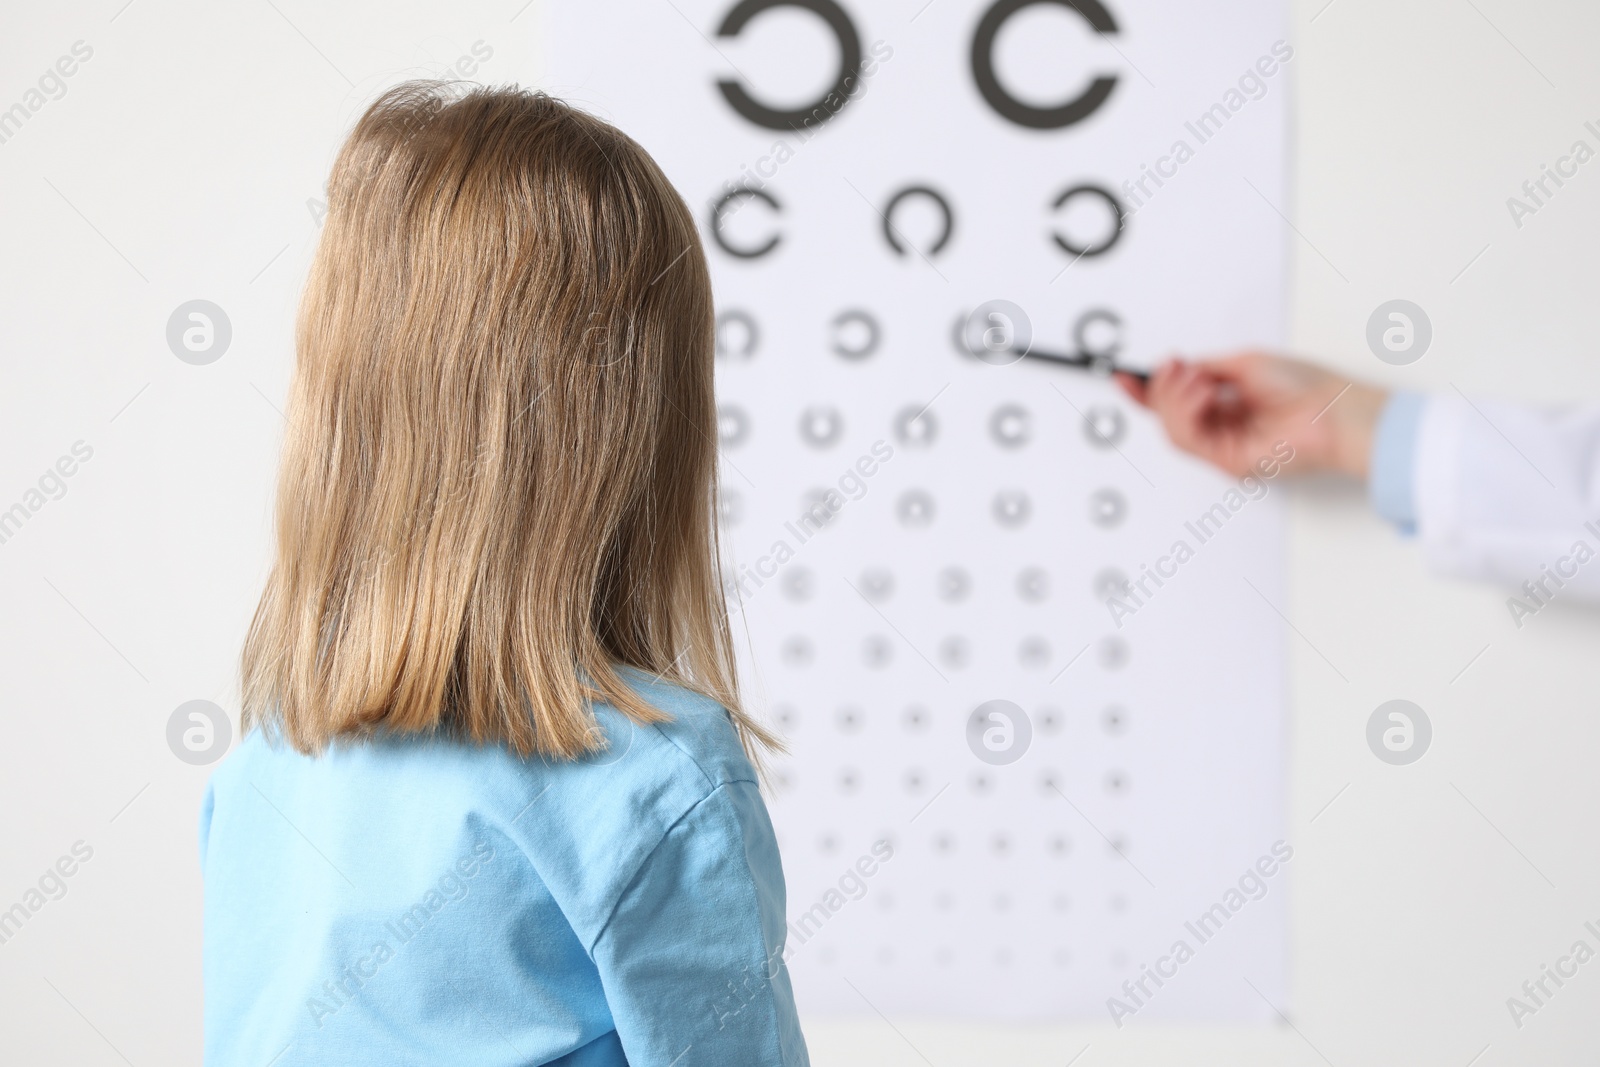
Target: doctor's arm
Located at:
point(1492, 491)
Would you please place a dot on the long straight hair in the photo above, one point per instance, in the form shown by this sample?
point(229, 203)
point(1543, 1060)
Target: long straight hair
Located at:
point(499, 479)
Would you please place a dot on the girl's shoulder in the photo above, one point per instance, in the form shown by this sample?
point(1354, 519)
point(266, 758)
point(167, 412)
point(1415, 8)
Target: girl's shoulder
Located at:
point(698, 743)
point(646, 778)
point(699, 733)
point(585, 827)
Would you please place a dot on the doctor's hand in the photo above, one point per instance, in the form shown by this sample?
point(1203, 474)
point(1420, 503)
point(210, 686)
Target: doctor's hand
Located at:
point(1233, 410)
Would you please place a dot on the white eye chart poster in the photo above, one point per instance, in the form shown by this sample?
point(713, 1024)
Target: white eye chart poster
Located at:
point(1028, 659)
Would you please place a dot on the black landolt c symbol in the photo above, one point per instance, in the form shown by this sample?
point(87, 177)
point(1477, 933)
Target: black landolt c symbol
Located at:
point(1009, 107)
point(807, 115)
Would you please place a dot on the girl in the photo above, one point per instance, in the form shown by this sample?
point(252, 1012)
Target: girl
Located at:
point(497, 803)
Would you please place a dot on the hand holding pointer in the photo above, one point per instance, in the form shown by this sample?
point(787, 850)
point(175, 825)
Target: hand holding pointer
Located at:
point(1230, 411)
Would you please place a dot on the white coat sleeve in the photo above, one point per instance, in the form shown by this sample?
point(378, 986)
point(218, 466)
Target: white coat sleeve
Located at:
point(1509, 494)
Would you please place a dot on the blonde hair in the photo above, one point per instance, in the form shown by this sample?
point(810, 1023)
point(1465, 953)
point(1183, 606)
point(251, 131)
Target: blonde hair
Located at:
point(499, 478)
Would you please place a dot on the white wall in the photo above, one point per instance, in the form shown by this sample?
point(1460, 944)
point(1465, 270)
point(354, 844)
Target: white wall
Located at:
point(178, 165)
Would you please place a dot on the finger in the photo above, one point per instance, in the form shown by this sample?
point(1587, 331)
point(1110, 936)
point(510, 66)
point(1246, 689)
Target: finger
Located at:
point(1155, 389)
point(1196, 427)
point(1163, 383)
point(1177, 417)
point(1241, 360)
point(1253, 374)
point(1190, 384)
point(1191, 401)
point(1135, 389)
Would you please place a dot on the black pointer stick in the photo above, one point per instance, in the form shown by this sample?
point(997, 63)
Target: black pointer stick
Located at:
point(1084, 361)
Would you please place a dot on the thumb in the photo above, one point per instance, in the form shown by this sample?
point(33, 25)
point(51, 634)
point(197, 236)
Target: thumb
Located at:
point(1137, 390)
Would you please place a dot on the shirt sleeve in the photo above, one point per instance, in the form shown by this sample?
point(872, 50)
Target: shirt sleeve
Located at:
point(692, 956)
point(1509, 494)
point(207, 805)
point(1392, 467)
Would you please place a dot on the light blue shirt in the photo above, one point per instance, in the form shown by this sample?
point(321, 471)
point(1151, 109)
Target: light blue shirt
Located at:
point(1391, 478)
point(428, 902)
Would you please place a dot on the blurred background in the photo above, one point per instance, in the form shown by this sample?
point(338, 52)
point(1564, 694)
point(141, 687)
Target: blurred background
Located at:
point(183, 159)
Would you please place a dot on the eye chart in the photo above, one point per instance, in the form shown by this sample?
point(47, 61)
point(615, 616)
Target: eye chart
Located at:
point(1005, 798)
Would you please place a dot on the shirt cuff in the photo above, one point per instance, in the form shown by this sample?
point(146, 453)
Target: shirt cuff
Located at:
point(1391, 481)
